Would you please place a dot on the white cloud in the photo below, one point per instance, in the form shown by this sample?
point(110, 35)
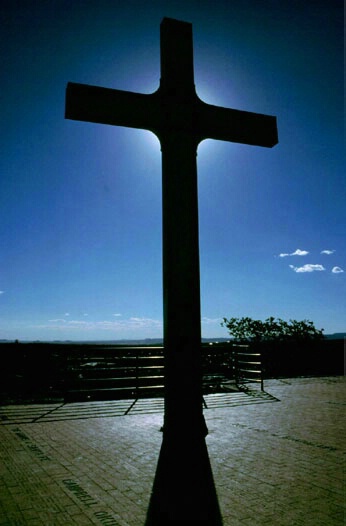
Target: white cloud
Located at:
point(210, 321)
point(308, 268)
point(297, 252)
point(130, 327)
point(67, 313)
point(2, 292)
point(105, 324)
point(143, 322)
point(337, 270)
point(328, 252)
point(117, 314)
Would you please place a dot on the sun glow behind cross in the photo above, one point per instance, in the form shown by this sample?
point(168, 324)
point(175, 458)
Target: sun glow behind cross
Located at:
point(151, 141)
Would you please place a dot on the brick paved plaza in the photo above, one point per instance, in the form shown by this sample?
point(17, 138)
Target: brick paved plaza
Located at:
point(277, 460)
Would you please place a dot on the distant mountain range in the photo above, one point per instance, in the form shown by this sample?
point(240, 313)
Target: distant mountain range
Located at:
point(335, 336)
point(146, 341)
point(152, 341)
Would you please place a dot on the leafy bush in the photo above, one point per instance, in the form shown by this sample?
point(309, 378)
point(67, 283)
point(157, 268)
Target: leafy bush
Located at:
point(246, 330)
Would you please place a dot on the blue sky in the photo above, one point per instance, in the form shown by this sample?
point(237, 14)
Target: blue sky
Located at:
point(80, 203)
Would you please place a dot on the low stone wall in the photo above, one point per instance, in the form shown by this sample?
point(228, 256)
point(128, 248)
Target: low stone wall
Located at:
point(323, 358)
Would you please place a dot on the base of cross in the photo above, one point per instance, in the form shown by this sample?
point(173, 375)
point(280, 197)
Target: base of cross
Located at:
point(183, 488)
point(179, 428)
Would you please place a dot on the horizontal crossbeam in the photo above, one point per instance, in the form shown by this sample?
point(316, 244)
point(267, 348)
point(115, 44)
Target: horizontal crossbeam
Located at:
point(160, 114)
point(225, 124)
point(111, 106)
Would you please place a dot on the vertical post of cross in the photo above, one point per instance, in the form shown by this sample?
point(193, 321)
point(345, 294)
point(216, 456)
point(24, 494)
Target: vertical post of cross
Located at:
point(181, 288)
point(181, 275)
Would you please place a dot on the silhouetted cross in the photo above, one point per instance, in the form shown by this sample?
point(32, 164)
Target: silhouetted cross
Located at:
point(180, 120)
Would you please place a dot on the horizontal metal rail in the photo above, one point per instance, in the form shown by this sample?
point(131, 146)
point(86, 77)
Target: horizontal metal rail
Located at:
point(245, 360)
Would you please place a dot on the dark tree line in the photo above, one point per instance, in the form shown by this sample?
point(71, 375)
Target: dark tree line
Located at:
point(247, 330)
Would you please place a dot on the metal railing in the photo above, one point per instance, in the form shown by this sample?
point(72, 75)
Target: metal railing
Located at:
point(247, 365)
point(115, 371)
point(95, 371)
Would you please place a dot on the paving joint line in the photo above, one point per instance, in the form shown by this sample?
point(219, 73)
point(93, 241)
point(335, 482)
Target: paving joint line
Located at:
point(291, 438)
